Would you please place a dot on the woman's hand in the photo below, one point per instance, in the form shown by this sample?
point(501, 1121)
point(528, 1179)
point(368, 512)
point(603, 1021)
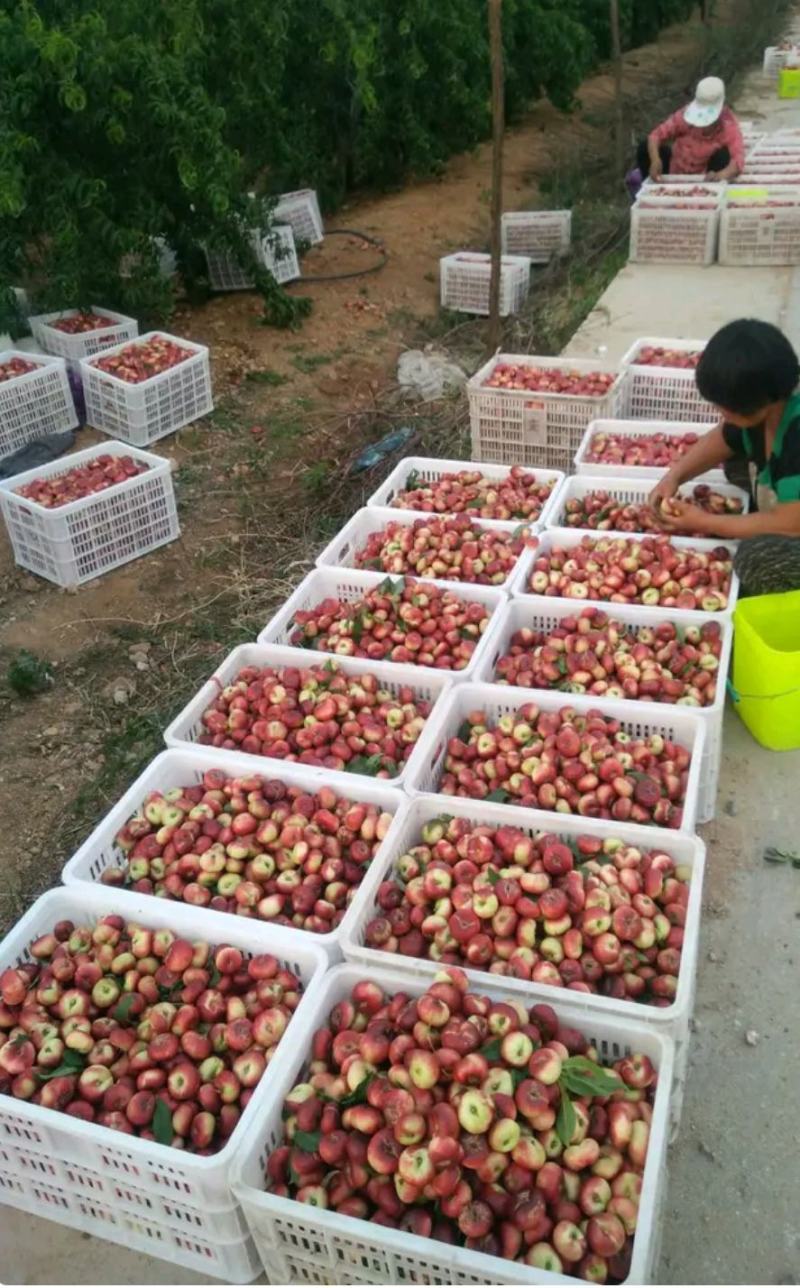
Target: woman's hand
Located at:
point(682, 517)
point(663, 490)
point(656, 171)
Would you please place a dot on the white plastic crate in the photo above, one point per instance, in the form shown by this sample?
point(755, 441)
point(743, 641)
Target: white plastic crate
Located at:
point(167, 259)
point(761, 233)
point(120, 1187)
point(186, 766)
point(280, 254)
point(629, 492)
point(465, 278)
point(349, 585)
point(679, 724)
point(781, 175)
point(276, 252)
point(141, 414)
point(83, 539)
point(220, 1222)
point(73, 348)
point(541, 613)
point(186, 727)
point(300, 210)
point(530, 427)
point(566, 538)
point(342, 550)
point(36, 404)
point(235, 1261)
point(638, 429)
point(303, 1245)
point(541, 235)
point(664, 233)
point(653, 391)
point(684, 849)
point(429, 469)
point(776, 57)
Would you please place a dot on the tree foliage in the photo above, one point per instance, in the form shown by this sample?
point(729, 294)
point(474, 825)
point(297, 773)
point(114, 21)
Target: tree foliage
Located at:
point(123, 121)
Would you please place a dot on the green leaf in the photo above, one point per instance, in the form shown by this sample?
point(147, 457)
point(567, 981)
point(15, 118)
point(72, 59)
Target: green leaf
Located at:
point(499, 794)
point(776, 856)
point(493, 876)
point(518, 1076)
point(412, 481)
point(73, 1062)
point(464, 731)
point(602, 860)
point(585, 1078)
point(492, 1050)
point(359, 1095)
point(162, 1123)
point(358, 627)
point(566, 1121)
point(308, 1140)
point(474, 504)
point(214, 978)
point(562, 664)
point(365, 765)
point(123, 1008)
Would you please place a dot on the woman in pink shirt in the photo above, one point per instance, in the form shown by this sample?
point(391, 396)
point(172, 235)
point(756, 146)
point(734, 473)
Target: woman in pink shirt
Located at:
point(702, 138)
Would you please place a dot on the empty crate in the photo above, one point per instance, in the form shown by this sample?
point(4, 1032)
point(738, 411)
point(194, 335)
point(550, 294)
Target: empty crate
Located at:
point(301, 211)
point(542, 235)
point(276, 252)
point(466, 276)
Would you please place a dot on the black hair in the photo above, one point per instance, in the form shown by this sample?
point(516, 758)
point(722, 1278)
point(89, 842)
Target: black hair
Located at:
point(746, 365)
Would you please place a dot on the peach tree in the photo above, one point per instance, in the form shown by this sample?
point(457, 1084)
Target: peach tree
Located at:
point(109, 139)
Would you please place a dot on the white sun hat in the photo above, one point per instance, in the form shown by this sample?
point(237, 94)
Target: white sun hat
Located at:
point(709, 100)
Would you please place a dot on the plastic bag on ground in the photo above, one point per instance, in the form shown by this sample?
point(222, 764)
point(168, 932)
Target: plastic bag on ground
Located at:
point(427, 376)
point(40, 451)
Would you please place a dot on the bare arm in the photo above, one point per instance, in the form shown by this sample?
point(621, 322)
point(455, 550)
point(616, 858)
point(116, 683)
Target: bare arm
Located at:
point(722, 176)
point(656, 168)
point(708, 453)
point(782, 521)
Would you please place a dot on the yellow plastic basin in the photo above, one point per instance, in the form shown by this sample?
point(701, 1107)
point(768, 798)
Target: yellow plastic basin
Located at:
point(789, 82)
point(766, 668)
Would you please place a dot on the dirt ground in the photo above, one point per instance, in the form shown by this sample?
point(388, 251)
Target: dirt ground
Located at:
point(292, 408)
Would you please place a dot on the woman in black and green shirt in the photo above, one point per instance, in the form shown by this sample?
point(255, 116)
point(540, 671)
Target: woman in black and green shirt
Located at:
point(750, 372)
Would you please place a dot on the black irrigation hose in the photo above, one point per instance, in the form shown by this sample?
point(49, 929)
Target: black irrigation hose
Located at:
point(361, 272)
